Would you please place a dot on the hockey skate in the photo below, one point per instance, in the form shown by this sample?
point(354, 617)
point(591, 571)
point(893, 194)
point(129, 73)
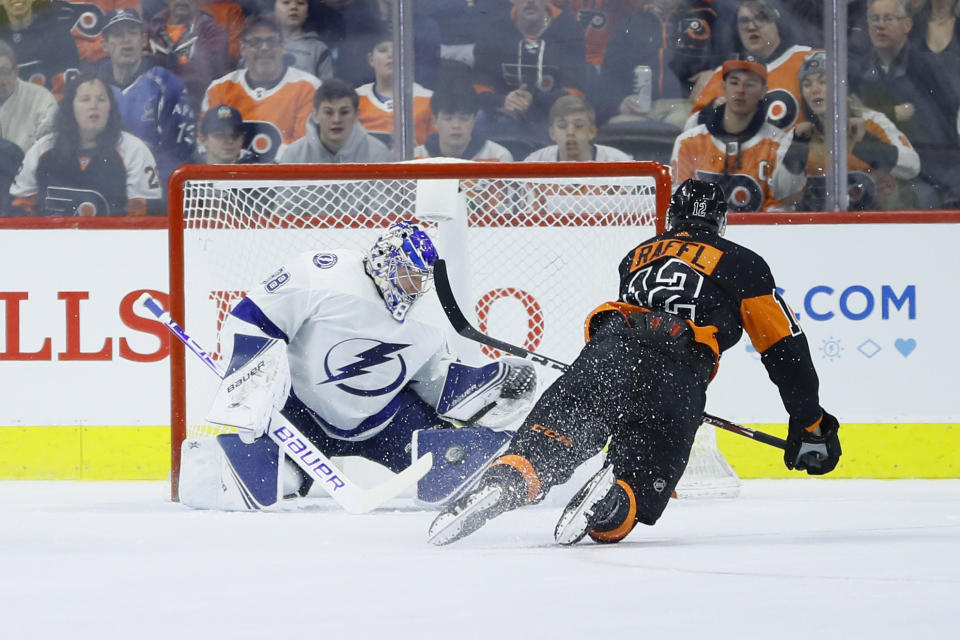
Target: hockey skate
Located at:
point(594, 503)
point(500, 491)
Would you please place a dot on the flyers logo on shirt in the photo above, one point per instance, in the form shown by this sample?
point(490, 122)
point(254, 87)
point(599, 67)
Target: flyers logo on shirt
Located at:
point(782, 108)
point(592, 19)
point(262, 139)
point(89, 18)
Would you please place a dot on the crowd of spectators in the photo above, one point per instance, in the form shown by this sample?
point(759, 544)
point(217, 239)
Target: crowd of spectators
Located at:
point(101, 100)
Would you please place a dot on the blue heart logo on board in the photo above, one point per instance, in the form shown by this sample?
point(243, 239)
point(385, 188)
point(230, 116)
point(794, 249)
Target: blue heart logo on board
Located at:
point(905, 347)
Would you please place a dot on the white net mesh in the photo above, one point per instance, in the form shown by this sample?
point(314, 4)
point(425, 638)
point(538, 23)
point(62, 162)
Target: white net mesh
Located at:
point(534, 255)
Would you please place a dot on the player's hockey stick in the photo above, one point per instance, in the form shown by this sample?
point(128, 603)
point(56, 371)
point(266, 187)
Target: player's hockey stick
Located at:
point(462, 326)
point(347, 493)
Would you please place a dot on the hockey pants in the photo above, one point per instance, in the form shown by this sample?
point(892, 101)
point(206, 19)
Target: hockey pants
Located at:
point(642, 387)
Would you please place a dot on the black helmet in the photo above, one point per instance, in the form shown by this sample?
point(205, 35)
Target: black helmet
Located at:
point(696, 203)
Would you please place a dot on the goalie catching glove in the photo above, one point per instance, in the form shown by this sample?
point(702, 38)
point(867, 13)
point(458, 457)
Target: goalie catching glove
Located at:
point(257, 382)
point(491, 396)
point(809, 451)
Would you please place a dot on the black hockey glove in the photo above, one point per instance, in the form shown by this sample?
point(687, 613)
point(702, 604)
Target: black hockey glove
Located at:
point(816, 455)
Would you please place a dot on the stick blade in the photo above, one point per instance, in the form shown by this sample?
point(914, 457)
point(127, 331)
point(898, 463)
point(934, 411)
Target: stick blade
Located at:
point(385, 491)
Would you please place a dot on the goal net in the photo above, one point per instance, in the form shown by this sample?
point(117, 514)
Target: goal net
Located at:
point(531, 249)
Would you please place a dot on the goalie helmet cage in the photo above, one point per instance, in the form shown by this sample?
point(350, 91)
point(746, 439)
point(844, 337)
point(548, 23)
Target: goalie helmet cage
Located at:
point(530, 246)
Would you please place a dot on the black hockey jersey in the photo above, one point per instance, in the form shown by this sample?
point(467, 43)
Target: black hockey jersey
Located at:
point(722, 289)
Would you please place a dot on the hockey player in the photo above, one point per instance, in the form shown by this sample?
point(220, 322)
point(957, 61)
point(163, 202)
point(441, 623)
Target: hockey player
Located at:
point(342, 344)
point(641, 381)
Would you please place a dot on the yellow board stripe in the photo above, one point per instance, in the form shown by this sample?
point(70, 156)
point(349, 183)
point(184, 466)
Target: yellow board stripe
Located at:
point(143, 453)
point(883, 451)
point(85, 453)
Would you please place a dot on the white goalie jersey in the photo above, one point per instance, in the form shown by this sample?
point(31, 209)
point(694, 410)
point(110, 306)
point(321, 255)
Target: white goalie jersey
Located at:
point(349, 359)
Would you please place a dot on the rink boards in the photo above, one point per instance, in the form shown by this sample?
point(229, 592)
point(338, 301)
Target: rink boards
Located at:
point(87, 385)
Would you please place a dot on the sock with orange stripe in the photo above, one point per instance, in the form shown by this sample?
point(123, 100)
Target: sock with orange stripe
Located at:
point(518, 475)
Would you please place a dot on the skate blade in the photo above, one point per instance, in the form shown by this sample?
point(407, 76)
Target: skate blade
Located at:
point(575, 520)
point(452, 525)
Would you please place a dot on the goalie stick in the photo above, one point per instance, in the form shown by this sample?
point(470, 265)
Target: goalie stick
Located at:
point(347, 493)
point(462, 326)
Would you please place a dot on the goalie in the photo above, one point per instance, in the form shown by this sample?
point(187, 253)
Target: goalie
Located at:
point(685, 297)
point(341, 345)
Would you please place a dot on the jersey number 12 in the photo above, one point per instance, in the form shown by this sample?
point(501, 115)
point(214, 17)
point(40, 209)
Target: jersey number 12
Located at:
point(672, 287)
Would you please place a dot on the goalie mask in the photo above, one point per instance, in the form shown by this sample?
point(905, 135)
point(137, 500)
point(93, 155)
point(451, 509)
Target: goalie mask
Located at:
point(696, 203)
point(401, 265)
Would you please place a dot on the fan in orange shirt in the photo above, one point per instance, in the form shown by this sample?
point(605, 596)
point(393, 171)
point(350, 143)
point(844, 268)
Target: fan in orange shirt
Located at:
point(376, 98)
point(736, 147)
point(268, 92)
point(760, 36)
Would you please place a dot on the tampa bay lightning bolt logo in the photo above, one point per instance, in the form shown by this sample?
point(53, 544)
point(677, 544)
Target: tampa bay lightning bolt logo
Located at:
point(365, 362)
point(325, 260)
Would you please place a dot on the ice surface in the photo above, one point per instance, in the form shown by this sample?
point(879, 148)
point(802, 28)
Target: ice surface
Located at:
point(788, 559)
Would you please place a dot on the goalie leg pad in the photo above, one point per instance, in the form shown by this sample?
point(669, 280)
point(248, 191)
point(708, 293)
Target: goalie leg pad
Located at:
point(255, 468)
point(460, 456)
point(225, 474)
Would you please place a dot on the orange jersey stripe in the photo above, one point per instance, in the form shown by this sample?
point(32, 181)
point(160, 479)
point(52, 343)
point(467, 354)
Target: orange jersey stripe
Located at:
point(764, 321)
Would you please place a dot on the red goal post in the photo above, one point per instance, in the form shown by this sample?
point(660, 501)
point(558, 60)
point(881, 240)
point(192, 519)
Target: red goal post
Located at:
point(532, 246)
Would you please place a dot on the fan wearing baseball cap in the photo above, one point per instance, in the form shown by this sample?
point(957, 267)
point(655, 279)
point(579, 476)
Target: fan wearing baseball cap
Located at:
point(734, 145)
point(222, 137)
point(154, 103)
point(762, 34)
